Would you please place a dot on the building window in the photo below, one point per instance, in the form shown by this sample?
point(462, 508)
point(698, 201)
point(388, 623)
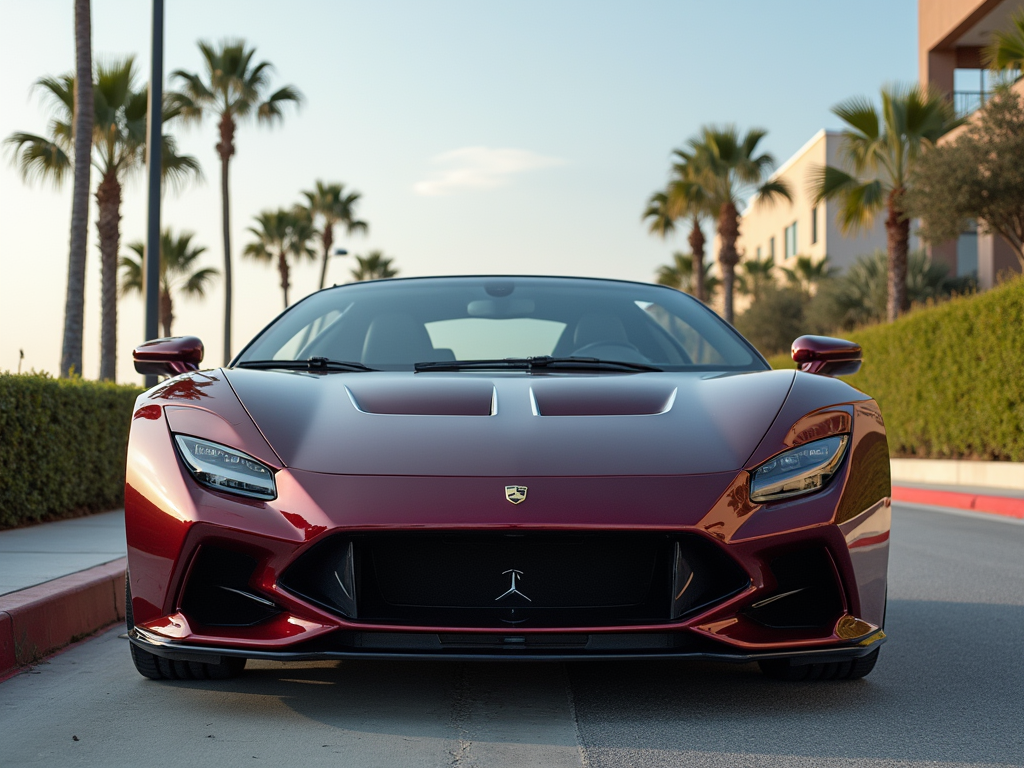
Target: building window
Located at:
point(814, 225)
point(791, 240)
point(759, 253)
point(771, 247)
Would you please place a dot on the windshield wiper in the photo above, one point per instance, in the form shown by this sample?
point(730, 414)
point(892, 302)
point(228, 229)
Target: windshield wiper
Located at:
point(545, 362)
point(309, 364)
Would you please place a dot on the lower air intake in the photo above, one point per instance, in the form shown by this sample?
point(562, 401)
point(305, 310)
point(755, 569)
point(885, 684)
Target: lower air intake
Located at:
point(218, 593)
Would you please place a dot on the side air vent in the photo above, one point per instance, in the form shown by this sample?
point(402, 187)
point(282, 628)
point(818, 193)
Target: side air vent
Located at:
point(702, 575)
point(218, 593)
point(806, 596)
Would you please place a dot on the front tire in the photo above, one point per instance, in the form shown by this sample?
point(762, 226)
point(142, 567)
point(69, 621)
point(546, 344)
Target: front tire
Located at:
point(155, 667)
point(851, 669)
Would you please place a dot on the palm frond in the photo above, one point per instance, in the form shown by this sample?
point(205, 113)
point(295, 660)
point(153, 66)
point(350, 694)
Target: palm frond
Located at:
point(131, 279)
point(771, 192)
point(860, 114)
point(1006, 50)
point(37, 157)
point(199, 281)
point(270, 110)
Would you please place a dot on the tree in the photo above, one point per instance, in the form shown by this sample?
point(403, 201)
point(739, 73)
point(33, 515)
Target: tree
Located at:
point(118, 149)
point(807, 273)
point(280, 234)
point(977, 177)
point(178, 272)
point(84, 117)
point(756, 276)
point(234, 89)
point(726, 169)
point(679, 275)
point(1006, 51)
point(330, 204)
point(374, 266)
point(682, 199)
point(882, 150)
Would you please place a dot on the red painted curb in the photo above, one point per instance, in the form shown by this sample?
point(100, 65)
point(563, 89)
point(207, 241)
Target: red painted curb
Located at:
point(1007, 506)
point(39, 620)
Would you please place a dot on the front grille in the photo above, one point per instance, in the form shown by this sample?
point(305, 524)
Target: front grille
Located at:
point(532, 579)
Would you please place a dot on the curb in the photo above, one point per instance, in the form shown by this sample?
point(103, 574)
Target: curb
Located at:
point(37, 621)
point(1006, 506)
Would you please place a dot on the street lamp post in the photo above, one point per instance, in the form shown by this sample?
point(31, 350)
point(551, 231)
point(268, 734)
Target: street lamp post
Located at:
point(154, 126)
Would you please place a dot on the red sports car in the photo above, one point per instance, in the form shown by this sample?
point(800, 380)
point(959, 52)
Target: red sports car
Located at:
point(505, 468)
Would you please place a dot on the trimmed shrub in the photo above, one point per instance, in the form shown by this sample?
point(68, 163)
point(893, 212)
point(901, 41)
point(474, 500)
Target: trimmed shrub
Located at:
point(949, 378)
point(62, 446)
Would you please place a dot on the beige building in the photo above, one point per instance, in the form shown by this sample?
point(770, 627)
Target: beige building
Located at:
point(950, 37)
point(786, 230)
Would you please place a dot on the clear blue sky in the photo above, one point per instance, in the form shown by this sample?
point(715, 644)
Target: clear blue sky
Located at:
point(516, 137)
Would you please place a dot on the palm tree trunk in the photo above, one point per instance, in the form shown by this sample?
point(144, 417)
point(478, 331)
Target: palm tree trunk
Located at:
point(282, 268)
point(897, 231)
point(108, 201)
point(226, 148)
point(697, 249)
point(74, 303)
point(728, 232)
point(328, 240)
point(166, 311)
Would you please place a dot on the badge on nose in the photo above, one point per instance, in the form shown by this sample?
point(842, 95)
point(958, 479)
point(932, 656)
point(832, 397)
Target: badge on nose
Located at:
point(515, 493)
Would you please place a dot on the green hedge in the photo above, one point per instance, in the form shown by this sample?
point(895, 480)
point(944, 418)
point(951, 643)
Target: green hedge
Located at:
point(949, 378)
point(62, 446)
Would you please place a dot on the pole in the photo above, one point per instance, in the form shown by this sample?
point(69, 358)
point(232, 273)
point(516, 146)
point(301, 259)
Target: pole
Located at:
point(154, 125)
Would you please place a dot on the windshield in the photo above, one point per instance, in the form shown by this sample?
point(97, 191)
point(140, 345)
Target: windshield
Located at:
point(394, 324)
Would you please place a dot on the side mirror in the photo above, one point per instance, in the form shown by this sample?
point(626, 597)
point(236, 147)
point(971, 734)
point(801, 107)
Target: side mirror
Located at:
point(169, 357)
point(827, 356)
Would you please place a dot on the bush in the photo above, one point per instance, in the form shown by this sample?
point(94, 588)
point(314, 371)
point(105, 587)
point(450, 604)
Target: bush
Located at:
point(774, 319)
point(62, 446)
point(948, 377)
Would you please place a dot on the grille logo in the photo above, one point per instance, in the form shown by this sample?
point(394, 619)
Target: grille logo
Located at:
point(515, 493)
point(514, 589)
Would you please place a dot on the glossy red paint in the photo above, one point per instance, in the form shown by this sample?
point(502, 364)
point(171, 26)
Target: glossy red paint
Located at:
point(371, 455)
point(169, 356)
point(170, 517)
point(827, 356)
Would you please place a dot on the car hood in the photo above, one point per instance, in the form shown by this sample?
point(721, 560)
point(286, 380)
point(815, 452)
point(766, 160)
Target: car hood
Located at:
point(515, 424)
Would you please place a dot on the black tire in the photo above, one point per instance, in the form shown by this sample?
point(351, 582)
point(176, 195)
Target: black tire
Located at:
point(158, 668)
point(852, 669)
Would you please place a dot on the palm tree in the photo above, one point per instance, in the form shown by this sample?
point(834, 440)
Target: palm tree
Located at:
point(280, 234)
point(330, 204)
point(882, 149)
point(178, 272)
point(679, 275)
point(1006, 51)
point(118, 144)
point(807, 273)
point(681, 200)
point(756, 275)
point(725, 170)
point(84, 117)
point(234, 89)
point(374, 266)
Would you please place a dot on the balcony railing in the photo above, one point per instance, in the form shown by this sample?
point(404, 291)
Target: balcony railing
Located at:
point(966, 102)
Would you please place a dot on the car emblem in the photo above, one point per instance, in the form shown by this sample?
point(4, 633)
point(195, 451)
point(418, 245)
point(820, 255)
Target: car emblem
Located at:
point(513, 590)
point(515, 493)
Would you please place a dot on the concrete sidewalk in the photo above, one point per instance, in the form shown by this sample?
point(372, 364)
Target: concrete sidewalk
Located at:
point(59, 582)
point(41, 553)
point(1003, 502)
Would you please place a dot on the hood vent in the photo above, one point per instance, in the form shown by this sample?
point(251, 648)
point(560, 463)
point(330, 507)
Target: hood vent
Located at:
point(425, 396)
point(602, 398)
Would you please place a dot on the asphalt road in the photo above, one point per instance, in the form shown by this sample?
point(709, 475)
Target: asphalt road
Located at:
point(947, 692)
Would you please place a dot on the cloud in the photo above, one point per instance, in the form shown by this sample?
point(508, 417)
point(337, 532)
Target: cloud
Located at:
point(480, 168)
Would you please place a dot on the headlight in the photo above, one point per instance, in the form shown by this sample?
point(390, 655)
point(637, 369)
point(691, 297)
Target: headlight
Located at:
point(226, 469)
point(801, 470)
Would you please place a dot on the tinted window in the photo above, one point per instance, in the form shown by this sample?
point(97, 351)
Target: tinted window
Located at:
point(393, 324)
